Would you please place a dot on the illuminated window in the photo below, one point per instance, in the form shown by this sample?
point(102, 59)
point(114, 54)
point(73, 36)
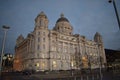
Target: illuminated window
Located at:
point(83, 58)
point(54, 64)
point(37, 64)
point(72, 63)
point(43, 65)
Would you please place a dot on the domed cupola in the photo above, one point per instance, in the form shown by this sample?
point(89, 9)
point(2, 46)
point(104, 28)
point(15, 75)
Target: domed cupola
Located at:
point(63, 26)
point(98, 37)
point(41, 20)
point(41, 15)
point(62, 18)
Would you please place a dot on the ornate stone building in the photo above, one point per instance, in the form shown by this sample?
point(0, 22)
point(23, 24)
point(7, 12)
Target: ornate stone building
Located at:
point(57, 49)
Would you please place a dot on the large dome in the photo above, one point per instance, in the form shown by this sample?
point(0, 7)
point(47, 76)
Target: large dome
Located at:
point(63, 25)
point(62, 18)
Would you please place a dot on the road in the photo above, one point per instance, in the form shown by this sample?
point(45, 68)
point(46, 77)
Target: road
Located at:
point(59, 76)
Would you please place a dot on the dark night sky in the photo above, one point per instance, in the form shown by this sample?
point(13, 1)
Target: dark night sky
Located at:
point(86, 16)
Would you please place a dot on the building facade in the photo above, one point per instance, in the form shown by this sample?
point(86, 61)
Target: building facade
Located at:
point(57, 49)
point(113, 60)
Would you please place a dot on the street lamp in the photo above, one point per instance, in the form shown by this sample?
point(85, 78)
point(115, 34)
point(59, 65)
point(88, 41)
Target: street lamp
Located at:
point(3, 45)
point(116, 12)
point(71, 65)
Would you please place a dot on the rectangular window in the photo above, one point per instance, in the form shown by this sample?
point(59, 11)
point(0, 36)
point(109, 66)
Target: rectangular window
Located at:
point(43, 33)
point(43, 46)
point(65, 49)
point(59, 49)
point(43, 39)
point(38, 47)
point(38, 39)
point(38, 33)
point(37, 54)
point(42, 23)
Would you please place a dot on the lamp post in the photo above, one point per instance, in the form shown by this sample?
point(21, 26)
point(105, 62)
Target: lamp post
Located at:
point(116, 12)
point(4, 61)
point(89, 62)
point(3, 45)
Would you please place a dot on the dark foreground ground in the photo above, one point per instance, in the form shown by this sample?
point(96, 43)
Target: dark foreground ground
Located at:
point(71, 75)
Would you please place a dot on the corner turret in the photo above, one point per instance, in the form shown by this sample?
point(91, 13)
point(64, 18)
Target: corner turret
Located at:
point(98, 38)
point(19, 39)
point(41, 21)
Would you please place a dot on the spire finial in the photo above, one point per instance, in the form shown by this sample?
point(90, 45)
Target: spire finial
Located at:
point(62, 15)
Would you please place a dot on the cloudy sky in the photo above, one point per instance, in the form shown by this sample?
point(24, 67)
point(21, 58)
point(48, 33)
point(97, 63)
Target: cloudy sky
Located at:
point(86, 16)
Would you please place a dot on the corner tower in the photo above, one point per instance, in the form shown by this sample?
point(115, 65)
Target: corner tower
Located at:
point(98, 40)
point(41, 42)
point(41, 21)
